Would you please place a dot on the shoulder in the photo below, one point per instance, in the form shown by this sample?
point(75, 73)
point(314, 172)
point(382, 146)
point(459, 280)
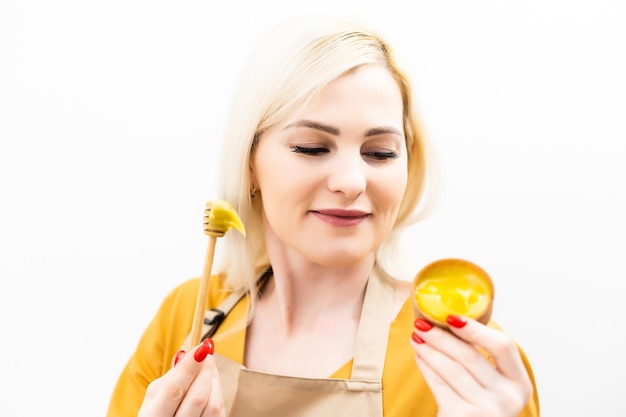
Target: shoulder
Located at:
point(172, 323)
point(176, 311)
point(187, 292)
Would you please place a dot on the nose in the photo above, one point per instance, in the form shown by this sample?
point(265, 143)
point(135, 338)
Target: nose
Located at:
point(348, 175)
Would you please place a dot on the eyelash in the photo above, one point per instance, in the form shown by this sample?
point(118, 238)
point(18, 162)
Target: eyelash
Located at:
point(308, 151)
point(379, 156)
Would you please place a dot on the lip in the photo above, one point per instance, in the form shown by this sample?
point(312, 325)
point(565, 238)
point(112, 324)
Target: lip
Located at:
point(340, 217)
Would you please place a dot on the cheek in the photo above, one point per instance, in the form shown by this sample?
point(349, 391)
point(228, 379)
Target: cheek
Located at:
point(394, 188)
point(267, 175)
point(278, 182)
point(283, 190)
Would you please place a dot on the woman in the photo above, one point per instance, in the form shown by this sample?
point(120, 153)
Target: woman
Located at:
point(324, 162)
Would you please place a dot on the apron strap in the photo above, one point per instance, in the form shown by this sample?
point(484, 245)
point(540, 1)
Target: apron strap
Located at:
point(373, 333)
point(215, 316)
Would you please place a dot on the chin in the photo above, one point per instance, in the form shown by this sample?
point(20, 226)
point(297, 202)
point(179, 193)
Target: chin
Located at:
point(339, 259)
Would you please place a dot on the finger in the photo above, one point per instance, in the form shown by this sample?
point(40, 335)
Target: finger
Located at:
point(215, 406)
point(200, 366)
point(452, 380)
point(197, 397)
point(504, 401)
point(502, 347)
point(442, 392)
point(165, 395)
point(181, 354)
point(460, 352)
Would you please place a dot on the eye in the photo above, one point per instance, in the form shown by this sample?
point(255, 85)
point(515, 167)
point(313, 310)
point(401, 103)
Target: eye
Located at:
point(381, 156)
point(309, 150)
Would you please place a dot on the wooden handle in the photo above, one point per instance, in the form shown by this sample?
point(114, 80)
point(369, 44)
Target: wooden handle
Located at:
point(201, 301)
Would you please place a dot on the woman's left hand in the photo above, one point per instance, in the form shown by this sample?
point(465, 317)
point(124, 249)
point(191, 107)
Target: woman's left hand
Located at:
point(463, 381)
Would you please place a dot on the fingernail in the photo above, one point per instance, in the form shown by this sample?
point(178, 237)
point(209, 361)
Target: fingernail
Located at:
point(416, 338)
point(206, 348)
point(423, 325)
point(456, 321)
point(179, 356)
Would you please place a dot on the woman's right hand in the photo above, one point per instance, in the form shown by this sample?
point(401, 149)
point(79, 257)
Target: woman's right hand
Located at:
point(191, 388)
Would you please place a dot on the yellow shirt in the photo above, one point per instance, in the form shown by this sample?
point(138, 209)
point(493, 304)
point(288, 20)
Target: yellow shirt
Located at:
point(405, 392)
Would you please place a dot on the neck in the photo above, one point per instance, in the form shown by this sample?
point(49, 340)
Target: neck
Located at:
point(306, 296)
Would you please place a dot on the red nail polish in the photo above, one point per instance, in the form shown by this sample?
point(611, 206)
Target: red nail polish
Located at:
point(456, 321)
point(206, 348)
point(179, 356)
point(423, 325)
point(416, 338)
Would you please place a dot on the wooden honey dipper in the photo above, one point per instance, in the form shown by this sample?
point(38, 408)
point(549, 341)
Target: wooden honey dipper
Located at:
point(219, 218)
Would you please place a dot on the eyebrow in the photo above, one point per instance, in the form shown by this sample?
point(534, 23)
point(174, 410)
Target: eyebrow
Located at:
point(314, 125)
point(335, 131)
point(382, 131)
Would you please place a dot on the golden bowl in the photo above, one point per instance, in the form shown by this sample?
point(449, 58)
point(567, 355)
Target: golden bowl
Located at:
point(452, 286)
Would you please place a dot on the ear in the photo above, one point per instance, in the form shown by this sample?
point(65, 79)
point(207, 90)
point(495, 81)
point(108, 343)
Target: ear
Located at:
point(254, 185)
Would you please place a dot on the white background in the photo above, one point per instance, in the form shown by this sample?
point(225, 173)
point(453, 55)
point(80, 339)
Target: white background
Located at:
point(111, 112)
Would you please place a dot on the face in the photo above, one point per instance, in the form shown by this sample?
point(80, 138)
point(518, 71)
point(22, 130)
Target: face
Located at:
point(333, 175)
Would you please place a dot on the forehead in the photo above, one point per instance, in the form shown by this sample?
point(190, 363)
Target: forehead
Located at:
point(370, 91)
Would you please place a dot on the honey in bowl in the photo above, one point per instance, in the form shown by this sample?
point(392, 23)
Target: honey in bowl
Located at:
point(452, 286)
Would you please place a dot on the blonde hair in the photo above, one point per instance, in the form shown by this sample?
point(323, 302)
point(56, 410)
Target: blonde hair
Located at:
point(292, 64)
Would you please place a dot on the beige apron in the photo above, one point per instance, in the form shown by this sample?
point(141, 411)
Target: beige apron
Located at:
point(251, 393)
